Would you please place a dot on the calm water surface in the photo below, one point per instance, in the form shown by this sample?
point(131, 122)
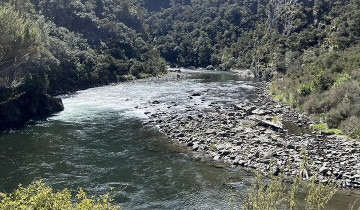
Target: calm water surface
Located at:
point(99, 142)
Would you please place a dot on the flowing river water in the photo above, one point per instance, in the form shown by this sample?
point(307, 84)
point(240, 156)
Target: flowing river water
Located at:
point(99, 142)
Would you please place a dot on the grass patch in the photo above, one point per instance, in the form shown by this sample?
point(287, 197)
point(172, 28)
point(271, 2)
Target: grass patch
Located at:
point(213, 147)
point(324, 129)
point(275, 119)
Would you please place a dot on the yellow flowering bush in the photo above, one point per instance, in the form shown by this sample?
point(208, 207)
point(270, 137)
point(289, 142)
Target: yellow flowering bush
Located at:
point(41, 197)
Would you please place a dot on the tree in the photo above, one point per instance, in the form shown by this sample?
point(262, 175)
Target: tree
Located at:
point(20, 40)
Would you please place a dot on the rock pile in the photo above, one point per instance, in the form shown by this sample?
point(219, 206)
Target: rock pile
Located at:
point(253, 135)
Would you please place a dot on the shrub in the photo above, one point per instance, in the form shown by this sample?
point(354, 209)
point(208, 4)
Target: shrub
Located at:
point(334, 118)
point(312, 104)
point(346, 92)
point(265, 196)
point(213, 147)
point(322, 81)
point(144, 75)
point(351, 126)
point(343, 78)
point(39, 196)
point(305, 89)
point(336, 115)
point(318, 195)
point(273, 195)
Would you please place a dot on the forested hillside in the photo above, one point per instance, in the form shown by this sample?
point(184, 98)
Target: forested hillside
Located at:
point(203, 33)
point(78, 43)
point(235, 34)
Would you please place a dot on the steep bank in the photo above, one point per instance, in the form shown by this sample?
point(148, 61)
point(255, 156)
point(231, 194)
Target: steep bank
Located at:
point(19, 109)
point(262, 135)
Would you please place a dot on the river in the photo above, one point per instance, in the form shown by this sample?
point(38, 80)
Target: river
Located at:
point(99, 142)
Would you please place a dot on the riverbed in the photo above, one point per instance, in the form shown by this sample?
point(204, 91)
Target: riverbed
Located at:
point(100, 141)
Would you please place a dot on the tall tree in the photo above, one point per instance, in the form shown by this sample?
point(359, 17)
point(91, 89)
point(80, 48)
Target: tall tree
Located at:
point(20, 40)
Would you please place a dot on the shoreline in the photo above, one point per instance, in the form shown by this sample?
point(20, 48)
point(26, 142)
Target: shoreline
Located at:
point(264, 136)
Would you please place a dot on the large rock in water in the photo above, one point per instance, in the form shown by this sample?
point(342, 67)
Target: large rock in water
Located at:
point(19, 109)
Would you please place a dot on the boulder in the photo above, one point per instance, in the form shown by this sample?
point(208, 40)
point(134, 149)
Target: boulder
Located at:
point(210, 131)
point(210, 67)
point(19, 109)
point(267, 123)
point(246, 108)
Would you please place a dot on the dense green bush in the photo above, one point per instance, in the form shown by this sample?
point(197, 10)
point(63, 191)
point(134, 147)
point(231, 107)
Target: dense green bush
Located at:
point(305, 89)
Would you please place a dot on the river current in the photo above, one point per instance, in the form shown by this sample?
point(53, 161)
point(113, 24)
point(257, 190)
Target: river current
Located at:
point(99, 142)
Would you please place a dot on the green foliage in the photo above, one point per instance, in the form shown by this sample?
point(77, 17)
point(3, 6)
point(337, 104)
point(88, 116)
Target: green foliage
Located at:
point(318, 195)
point(35, 83)
point(331, 90)
point(342, 79)
point(305, 89)
point(275, 119)
point(39, 196)
point(319, 127)
point(281, 97)
point(274, 194)
point(202, 33)
point(79, 44)
point(324, 129)
point(213, 147)
point(144, 75)
point(20, 41)
point(265, 196)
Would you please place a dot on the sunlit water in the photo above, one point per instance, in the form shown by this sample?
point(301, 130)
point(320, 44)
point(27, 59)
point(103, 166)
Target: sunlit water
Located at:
point(99, 142)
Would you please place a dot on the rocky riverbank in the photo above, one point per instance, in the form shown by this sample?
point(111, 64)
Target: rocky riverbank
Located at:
point(261, 135)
